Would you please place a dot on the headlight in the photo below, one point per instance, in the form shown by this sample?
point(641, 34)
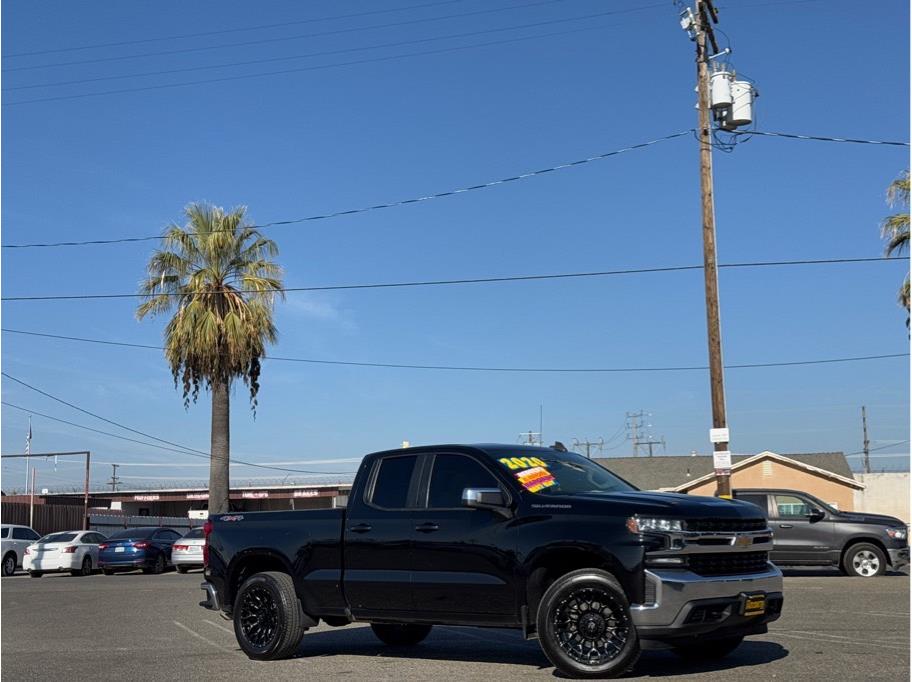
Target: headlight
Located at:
point(638, 525)
point(897, 533)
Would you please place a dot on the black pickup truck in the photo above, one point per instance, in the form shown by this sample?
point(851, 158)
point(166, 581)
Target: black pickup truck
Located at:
point(530, 538)
point(809, 532)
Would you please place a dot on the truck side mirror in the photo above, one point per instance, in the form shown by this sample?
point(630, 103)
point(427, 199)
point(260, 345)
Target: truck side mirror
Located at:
point(815, 515)
point(485, 498)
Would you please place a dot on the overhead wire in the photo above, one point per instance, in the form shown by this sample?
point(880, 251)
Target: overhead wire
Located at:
point(191, 452)
point(472, 280)
point(324, 53)
point(377, 207)
point(182, 36)
point(549, 370)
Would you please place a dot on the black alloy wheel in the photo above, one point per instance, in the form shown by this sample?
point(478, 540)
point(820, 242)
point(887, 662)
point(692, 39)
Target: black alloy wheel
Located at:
point(9, 564)
point(268, 619)
point(585, 627)
point(259, 616)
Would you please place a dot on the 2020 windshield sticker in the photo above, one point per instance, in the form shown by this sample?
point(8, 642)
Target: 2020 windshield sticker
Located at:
point(535, 479)
point(515, 463)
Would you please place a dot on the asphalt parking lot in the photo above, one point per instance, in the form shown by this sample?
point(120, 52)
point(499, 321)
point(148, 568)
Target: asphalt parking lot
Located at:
point(131, 626)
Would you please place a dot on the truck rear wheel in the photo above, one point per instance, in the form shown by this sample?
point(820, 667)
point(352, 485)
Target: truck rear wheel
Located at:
point(708, 651)
point(268, 619)
point(400, 635)
point(584, 625)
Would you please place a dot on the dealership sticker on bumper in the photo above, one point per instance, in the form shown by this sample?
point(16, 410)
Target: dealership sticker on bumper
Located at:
point(753, 605)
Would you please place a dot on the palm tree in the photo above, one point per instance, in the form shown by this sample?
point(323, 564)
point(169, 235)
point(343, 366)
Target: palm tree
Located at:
point(218, 276)
point(895, 229)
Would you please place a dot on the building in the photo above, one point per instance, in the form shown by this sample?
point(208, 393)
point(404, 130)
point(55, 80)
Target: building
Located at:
point(826, 475)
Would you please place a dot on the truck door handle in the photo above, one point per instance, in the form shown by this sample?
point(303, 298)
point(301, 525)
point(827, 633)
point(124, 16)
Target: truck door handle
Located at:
point(360, 528)
point(786, 525)
point(428, 527)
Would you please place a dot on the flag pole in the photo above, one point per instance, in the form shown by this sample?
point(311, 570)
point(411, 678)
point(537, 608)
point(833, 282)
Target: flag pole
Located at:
point(28, 450)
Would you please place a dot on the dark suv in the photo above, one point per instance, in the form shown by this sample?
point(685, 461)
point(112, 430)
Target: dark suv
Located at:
point(808, 532)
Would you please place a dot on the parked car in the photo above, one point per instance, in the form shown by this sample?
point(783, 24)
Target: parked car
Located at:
point(148, 548)
point(187, 552)
point(544, 541)
point(13, 541)
point(809, 532)
point(75, 551)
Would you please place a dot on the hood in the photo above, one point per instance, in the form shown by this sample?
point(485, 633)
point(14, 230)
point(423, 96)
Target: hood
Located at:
point(675, 505)
point(873, 519)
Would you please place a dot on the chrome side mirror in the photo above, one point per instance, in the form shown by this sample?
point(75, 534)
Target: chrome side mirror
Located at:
point(485, 498)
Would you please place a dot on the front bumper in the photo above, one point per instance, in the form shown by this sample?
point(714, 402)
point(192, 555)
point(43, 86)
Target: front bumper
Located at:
point(899, 557)
point(687, 604)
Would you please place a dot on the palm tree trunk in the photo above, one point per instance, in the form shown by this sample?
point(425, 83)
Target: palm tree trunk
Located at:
point(220, 452)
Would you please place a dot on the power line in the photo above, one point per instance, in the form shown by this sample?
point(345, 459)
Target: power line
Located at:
point(475, 280)
point(260, 27)
point(820, 138)
point(324, 53)
point(574, 370)
point(319, 34)
point(191, 452)
point(377, 207)
point(882, 447)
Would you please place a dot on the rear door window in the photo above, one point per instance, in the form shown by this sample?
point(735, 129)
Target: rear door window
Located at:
point(756, 499)
point(24, 534)
point(451, 475)
point(393, 482)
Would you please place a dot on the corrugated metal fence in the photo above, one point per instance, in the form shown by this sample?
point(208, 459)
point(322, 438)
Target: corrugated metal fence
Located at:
point(49, 518)
point(52, 518)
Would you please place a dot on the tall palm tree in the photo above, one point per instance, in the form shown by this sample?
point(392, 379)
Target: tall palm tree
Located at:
point(895, 229)
point(218, 276)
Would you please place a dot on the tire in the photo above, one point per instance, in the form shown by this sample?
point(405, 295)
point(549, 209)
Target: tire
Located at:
point(181, 569)
point(9, 564)
point(85, 570)
point(709, 651)
point(108, 571)
point(395, 634)
point(35, 574)
point(268, 619)
point(592, 601)
point(157, 568)
point(864, 560)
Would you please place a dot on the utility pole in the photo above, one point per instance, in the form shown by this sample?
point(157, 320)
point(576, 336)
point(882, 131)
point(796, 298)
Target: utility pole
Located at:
point(114, 479)
point(32, 501)
point(588, 444)
point(704, 34)
point(866, 443)
point(633, 427)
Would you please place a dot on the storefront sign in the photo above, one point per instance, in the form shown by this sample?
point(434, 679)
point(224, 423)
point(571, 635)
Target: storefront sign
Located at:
point(197, 496)
point(306, 493)
point(254, 494)
point(146, 498)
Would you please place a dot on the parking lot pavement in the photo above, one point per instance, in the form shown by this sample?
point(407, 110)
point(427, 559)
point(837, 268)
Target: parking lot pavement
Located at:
point(129, 626)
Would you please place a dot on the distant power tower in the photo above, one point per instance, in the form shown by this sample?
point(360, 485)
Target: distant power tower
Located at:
point(530, 438)
point(589, 445)
point(114, 478)
point(638, 432)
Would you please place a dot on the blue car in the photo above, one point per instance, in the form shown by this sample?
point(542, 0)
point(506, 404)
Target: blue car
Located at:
point(148, 548)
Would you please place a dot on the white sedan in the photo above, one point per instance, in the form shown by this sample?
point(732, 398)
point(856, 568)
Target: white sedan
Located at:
point(75, 551)
point(187, 552)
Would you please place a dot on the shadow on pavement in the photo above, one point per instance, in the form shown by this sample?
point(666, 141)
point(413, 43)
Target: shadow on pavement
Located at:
point(503, 646)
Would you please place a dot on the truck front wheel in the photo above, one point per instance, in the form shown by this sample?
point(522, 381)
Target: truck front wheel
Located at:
point(584, 625)
point(400, 635)
point(268, 619)
point(864, 560)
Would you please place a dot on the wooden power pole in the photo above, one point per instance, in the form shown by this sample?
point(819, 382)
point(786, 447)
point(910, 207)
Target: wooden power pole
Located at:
point(866, 444)
point(704, 35)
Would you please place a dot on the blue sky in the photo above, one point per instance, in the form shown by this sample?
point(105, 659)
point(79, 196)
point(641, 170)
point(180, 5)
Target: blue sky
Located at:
point(335, 138)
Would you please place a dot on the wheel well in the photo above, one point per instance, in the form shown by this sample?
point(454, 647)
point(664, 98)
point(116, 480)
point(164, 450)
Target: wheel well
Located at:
point(869, 541)
point(552, 566)
point(12, 553)
point(249, 566)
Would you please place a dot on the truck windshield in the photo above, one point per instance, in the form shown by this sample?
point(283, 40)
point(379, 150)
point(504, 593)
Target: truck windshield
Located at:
point(563, 473)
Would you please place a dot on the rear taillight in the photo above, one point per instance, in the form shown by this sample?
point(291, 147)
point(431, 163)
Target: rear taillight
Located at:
point(70, 550)
point(181, 547)
point(207, 529)
point(103, 545)
point(141, 545)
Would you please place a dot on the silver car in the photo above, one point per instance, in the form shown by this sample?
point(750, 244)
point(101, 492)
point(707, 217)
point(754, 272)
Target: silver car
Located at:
point(187, 552)
point(13, 542)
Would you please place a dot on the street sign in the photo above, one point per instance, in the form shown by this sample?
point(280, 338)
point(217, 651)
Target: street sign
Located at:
point(718, 435)
point(722, 461)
